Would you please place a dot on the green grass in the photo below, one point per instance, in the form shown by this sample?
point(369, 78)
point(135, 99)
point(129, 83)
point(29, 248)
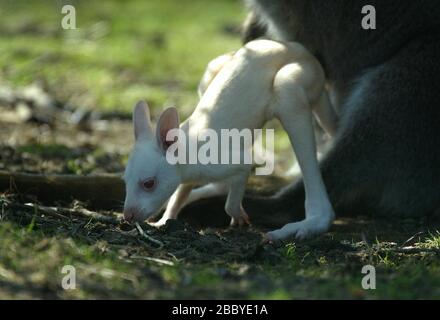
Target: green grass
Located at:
point(122, 51)
point(111, 264)
point(432, 242)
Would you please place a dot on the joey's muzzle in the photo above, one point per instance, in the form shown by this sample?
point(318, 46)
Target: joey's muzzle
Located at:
point(132, 214)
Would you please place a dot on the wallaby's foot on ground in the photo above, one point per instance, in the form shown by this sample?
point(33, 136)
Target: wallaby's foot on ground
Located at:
point(302, 230)
point(160, 223)
point(240, 221)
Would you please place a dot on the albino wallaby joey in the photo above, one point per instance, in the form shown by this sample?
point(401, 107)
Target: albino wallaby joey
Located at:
point(243, 90)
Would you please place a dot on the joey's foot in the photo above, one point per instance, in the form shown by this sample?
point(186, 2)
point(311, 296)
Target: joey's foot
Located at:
point(302, 230)
point(241, 220)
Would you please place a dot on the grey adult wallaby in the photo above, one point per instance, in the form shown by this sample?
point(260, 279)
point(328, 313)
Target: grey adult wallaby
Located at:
point(385, 83)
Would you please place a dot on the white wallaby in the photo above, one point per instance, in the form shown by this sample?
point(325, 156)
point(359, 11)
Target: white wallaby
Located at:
point(245, 89)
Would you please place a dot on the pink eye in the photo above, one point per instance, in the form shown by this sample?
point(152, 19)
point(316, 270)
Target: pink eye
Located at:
point(148, 184)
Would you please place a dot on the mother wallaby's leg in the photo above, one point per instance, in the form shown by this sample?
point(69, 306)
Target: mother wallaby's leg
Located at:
point(292, 107)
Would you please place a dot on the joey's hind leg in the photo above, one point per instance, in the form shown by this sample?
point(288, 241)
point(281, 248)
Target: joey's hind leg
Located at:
point(175, 204)
point(293, 109)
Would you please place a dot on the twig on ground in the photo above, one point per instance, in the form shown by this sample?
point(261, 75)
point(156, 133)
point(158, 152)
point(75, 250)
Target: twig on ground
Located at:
point(160, 244)
point(413, 237)
point(404, 250)
point(65, 213)
point(81, 212)
point(415, 250)
point(159, 261)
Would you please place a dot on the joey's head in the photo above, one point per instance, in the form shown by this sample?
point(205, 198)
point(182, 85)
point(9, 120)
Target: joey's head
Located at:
point(150, 179)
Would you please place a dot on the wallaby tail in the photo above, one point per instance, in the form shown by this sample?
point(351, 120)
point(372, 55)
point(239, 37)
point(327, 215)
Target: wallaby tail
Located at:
point(274, 211)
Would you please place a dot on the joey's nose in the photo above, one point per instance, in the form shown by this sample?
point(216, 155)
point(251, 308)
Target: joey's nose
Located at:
point(131, 213)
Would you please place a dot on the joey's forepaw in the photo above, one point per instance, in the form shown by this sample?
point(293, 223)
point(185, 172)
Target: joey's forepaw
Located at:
point(241, 220)
point(159, 223)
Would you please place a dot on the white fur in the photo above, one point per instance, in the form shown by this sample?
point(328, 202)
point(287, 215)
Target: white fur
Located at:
point(264, 79)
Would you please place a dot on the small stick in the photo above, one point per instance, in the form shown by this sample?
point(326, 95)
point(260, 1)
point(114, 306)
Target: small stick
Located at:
point(76, 212)
point(159, 261)
point(415, 250)
point(412, 238)
point(157, 242)
point(404, 250)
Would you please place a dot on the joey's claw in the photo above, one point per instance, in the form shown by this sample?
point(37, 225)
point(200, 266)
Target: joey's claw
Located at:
point(234, 222)
point(239, 222)
point(241, 219)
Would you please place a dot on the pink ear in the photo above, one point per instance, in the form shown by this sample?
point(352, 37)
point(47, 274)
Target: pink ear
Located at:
point(141, 121)
point(168, 120)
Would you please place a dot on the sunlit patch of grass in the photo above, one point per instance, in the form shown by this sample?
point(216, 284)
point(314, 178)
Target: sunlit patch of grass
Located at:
point(431, 242)
point(290, 250)
point(386, 260)
point(279, 294)
point(205, 277)
point(122, 51)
